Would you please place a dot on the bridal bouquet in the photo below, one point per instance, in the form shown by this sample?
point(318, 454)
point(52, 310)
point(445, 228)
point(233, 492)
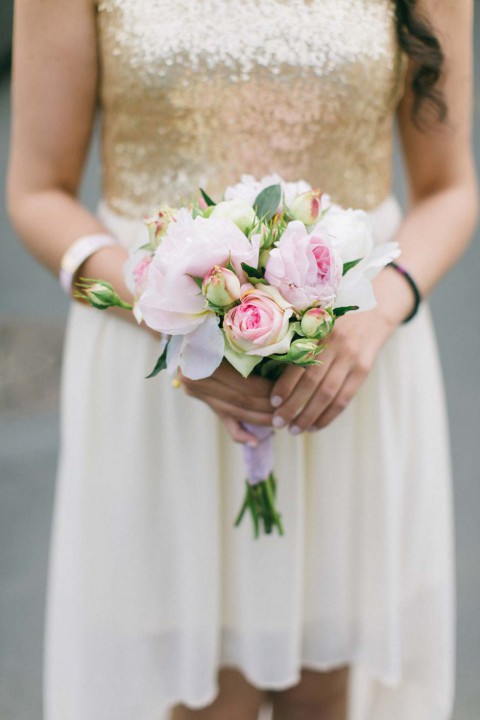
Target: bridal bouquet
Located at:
point(258, 279)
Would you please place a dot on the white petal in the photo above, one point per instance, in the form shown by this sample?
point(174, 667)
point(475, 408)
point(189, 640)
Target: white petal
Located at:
point(380, 256)
point(202, 350)
point(356, 290)
point(174, 351)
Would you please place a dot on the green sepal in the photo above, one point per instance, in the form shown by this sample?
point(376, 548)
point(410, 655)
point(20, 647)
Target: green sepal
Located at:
point(338, 312)
point(349, 265)
point(198, 281)
point(230, 266)
point(242, 362)
point(207, 198)
point(161, 363)
point(267, 202)
point(257, 281)
point(148, 246)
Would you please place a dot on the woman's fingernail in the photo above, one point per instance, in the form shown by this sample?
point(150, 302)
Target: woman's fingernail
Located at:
point(276, 401)
point(252, 443)
point(295, 430)
point(278, 422)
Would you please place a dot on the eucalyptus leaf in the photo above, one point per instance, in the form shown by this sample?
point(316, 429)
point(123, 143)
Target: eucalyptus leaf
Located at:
point(161, 363)
point(267, 202)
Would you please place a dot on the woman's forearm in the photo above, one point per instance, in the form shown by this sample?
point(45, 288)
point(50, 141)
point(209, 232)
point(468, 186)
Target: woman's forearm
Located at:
point(49, 221)
point(433, 235)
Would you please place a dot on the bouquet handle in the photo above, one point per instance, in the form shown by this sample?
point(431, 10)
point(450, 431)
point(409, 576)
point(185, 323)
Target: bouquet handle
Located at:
point(260, 483)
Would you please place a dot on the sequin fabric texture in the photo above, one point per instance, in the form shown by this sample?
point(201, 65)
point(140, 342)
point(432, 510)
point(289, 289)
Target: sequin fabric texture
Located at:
point(198, 92)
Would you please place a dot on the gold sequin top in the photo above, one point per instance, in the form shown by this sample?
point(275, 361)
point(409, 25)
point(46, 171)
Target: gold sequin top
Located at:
point(198, 92)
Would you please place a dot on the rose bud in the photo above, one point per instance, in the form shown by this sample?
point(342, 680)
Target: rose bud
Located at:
point(221, 287)
point(306, 207)
point(158, 223)
point(303, 351)
point(100, 295)
point(317, 323)
point(238, 211)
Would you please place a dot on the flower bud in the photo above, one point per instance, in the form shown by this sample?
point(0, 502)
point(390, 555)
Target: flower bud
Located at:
point(158, 223)
point(306, 207)
point(317, 323)
point(100, 295)
point(303, 351)
point(238, 211)
point(221, 287)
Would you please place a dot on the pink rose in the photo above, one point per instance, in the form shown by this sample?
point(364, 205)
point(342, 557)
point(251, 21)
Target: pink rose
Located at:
point(260, 325)
point(305, 267)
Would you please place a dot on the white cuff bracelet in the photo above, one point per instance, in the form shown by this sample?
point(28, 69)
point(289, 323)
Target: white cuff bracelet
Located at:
point(77, 253)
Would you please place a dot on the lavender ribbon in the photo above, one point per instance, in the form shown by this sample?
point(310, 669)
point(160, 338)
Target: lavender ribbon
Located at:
point(259, 460)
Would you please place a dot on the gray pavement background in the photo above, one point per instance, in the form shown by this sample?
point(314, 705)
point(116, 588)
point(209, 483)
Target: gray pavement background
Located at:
point(32, 315)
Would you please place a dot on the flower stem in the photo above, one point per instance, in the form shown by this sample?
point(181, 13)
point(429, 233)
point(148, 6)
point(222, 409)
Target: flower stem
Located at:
point(260, 501)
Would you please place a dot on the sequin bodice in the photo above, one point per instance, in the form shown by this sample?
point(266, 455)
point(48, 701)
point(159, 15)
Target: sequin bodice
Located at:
point(198, 92)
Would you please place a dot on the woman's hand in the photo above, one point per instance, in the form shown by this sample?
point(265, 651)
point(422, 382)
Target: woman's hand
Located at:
point(235, 399)
point(310, 398)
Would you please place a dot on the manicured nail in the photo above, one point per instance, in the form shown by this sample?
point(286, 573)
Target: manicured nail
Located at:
point(278, 422)
point(295, 430)
point(276, 401)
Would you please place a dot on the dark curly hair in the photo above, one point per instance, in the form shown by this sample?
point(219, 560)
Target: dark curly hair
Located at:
point(417, 38)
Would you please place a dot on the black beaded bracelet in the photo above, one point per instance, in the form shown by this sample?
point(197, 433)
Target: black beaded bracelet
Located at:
point(416, 292)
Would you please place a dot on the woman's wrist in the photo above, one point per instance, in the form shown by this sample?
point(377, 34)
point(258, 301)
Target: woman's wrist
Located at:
point(395, 299)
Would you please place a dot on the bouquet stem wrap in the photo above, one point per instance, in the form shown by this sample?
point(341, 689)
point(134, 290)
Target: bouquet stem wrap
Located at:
point(260, 492)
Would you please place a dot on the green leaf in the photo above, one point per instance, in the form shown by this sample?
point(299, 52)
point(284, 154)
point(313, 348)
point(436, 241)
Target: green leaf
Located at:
point(267, 202)
point(351, 264)
point(252, 272)
point(271, 369)
point(161, 363)
point(338, 312)
point(207, 198)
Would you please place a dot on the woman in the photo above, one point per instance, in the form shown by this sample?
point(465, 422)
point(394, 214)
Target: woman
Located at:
point(157, 607)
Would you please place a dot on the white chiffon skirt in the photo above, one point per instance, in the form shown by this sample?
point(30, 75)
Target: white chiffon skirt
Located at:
point(151, 588)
